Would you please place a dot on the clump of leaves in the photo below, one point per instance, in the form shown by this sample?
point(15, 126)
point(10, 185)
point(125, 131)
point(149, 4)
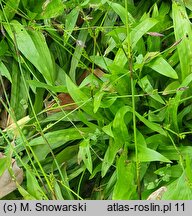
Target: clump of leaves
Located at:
point(96, 96)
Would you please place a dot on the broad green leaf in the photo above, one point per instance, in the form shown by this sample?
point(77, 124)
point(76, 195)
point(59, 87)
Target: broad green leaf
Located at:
point(121, 11)
point(153, 126)
point(109, 157)
point(121, 138)
point(70, 23)
point(26, 195)
point(95, 171)
point(48, 9)
point(57, 189)
point(171, 88)
point(108, 130)
point(142, 28)
point(77, 54)
point(33, 46)
point(81, 99)
point(97, 100)
point(125, 187)
point(174, 113)
point(67, 193)
point(4, 72)
point(174, 171)
point(55, 139)
point(161, 66)
point(147, 155)
point(182, 30)
point(37, 84)
point(147, 87)
point(66, 154)
point(120, 130)
point(11, 8)
point(33, 187)
point(3, 47)
point(3, 165)
point(178, 190)
point(101, 61)
point(85, 154)
point(19, 98)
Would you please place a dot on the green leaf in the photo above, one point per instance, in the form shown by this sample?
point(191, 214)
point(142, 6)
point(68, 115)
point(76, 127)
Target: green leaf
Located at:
point(178, 190)
point(55, 139)
point(19, 98)
point(109, 157)
point(85, 154)
point(33, 187)
point(33, 46)
point(147, 87)
point(121, 11)
point(161, 66)
point(70, 23)
point(148, 155)
point(153, 126)
point(81, 99)
point(182, 30)
point(120, 130)
point(125, 188)
point(11, 8)
point(37, 84)
point(142, 28)
point(26, 195)
point(3, 165)
point(66, 154)
point(4, 72)
point(50, 9)
point(97, 100)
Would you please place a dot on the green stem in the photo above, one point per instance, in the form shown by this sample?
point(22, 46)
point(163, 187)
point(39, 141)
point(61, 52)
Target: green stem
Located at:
point(130, 65)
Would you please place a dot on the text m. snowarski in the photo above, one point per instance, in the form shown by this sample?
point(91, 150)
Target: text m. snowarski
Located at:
point(75, 207)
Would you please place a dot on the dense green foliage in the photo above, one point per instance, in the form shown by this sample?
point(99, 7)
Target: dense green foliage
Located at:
point(129, 130)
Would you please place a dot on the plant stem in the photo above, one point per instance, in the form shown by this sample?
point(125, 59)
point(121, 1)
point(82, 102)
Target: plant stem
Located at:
point(130, 65)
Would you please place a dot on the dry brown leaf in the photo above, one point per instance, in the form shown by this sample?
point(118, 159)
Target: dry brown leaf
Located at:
point(157, 195)
point(13, 126)
point(65, 100)
point(7, 183)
